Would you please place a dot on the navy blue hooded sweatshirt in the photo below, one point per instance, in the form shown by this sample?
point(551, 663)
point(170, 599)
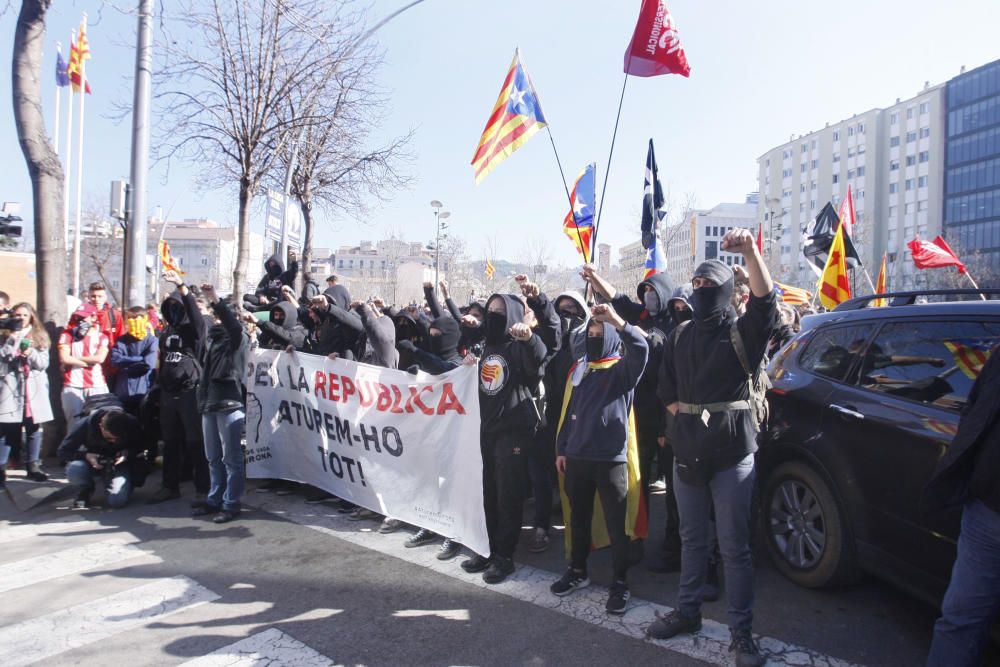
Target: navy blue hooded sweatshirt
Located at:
point(595, 426)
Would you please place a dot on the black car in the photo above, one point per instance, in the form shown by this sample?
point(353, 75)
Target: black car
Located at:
point(864, 404)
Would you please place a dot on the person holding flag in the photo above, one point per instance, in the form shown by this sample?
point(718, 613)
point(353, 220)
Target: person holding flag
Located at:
point(593, 444)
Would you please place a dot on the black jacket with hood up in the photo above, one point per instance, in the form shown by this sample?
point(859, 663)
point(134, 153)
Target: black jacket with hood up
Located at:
point(181, 344)
point(275, 277)
point(279, 336)
point(441, 354)
point(509, 371)
point(557, 368)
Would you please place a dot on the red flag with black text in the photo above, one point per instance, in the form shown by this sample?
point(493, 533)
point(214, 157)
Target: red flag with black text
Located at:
point(656, 47)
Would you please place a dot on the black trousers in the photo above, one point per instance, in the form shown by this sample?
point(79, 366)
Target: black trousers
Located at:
point(180, 425)
point(542, 471)
point(504, 472)
point(610, 481)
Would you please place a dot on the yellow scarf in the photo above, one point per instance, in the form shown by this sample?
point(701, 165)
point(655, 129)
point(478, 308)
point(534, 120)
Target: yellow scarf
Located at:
point(636, 517)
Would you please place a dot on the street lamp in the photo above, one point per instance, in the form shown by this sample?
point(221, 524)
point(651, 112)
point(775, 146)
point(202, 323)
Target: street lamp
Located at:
point(439, 215)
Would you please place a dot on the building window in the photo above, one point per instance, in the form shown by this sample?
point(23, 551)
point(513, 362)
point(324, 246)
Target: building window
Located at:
point(908, 209)
point(893, 165)
point(925, 132)
point(909, 113)
point(893, 210)
point(204, 260)
point(786, 173)
point(340, 264)
point(909, 184)
point(812, 204)
point(805, 148)
point(922, 205)
point(836, 178)
point(893, 142)
point(836, 157)
point(924, 156)
point(861, 128)
point(861, 170)
point(850, 131)
point(813, 144)
point(836, 135)
point(925, 107)
point(802, 168)
point(922, 182)
point(911, 136)
point(893, 188)
point(802, 188)
point(893, 118)
point(814, 164)
point(911, 160)
point(850, 152)
point(850, 174)
point(813, 185)
point(861, 149)
point(767, 162)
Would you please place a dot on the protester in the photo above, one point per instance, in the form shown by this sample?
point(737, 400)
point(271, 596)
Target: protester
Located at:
point(785, 331)
point(181, 348)
point(24, 392)
point(509, 369)
point(268, 290)
point(134, 355)
point(703, 383)
point(82, 350)
point(221, 403)
point(109, 320)
point(106, 445)
point(969, 475)
point(310, 288)
point(592, 441)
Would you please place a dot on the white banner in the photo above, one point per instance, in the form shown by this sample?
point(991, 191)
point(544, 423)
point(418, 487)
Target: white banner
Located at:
point(403, 445)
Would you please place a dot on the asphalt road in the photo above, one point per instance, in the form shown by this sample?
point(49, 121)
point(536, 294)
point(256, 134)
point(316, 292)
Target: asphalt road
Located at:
point(148, 585)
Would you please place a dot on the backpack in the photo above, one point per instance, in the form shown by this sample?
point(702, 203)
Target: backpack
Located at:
point(758, 381)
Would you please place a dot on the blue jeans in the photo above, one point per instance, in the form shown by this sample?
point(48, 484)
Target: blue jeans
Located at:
point(117, 488)
point(972, 601)
point(223, 432)
point(731, 490)
point(10, 439)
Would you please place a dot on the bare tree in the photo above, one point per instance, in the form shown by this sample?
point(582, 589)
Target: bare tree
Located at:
point(43, 163)
point(230, 71)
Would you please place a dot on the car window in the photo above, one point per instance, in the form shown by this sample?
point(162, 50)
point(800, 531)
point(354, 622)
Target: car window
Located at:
point(832, 350)
point(929, 362)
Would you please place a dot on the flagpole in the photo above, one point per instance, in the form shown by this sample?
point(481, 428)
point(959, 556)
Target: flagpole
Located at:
point(607, 170)
point(79, 176)
point(68, 159)
point(969, 276)
point(55, 136)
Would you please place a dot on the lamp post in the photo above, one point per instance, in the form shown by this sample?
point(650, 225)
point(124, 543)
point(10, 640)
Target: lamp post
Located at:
point(439, 215)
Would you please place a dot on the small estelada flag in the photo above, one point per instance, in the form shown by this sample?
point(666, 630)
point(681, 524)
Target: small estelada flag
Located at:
point(656, 47)
point(579, 222)
point(169, 264)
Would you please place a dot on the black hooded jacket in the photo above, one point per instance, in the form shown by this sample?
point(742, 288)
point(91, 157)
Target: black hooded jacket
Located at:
point(338, 295)
point(649, 413)
point(441, 354)
point(409, 329)
point(224, 361)
point(557, 370)
point(279, 336)
point(275, 276)
point(339, 331)
point(377, 345)
point(509, 371)
point(181, 344)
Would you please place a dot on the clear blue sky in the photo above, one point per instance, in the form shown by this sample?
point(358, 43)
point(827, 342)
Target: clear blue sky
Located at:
point(760, 71)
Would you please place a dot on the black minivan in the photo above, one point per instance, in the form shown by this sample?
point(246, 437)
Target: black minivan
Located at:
point(864, 404)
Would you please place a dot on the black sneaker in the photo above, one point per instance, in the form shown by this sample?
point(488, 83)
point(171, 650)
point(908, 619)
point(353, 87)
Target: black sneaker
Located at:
point(205, 509)
point(35, 473)
point(420, 538)
point(617, 598)
point(316, 496)
point(569, 582)
point(710, 589)
point(475, 564)
point(449, 549)
point(163, 495)
point(500, 568)
point(286, 489)
point(269, 486)
point(225, 516)
point(673, 624)
point(746, 651)
point(82, 501)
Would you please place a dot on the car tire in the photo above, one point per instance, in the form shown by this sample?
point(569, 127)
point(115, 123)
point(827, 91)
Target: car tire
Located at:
point(807, 535)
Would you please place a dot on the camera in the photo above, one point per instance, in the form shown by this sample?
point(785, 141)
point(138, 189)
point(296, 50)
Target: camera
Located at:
point(7, 320)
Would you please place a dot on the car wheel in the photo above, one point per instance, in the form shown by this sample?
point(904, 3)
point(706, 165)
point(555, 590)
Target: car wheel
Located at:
point(807, 535)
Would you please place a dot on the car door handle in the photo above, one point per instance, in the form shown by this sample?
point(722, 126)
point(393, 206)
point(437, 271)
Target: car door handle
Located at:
point(846, 412)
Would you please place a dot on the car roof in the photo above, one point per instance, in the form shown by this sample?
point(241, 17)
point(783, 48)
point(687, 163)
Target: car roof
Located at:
point(947, 308)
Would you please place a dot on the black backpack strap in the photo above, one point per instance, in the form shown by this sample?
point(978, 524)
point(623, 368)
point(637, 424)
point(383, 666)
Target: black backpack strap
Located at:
point(741, 351)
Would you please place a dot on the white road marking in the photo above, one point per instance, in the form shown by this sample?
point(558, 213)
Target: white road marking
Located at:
point(446, 614)
point(68, 561)
point(12, 533)
point(271, 647)
point(46, 636)
point(532, 585)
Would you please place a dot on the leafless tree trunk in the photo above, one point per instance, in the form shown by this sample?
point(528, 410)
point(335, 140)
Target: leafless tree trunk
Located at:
point(42, 161)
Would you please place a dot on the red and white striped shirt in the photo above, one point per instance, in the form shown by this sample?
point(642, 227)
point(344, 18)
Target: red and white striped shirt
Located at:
point(91, 377)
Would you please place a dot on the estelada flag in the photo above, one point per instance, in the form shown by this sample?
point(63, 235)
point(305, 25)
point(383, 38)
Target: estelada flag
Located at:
point(578, 224)
point(652, 200)
point(934, 255)
point(656, 261)
point(656, 47)
point(793, 296)
point(880, 284)
point(516, 117)
point(163, 248)
point(835, 288)
point(636, 512)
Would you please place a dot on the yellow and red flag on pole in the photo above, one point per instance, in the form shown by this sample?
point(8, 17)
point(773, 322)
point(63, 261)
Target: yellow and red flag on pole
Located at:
point(490, 270)
point(79, 51)
point(169, 264)
point(880, 284)
point(835, 288)
point(516, 117)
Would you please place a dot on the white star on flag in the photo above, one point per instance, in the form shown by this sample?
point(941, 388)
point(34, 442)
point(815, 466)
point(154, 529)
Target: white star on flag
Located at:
point(517, 96)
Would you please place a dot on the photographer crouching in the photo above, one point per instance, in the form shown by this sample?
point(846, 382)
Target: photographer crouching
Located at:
point(105, 445)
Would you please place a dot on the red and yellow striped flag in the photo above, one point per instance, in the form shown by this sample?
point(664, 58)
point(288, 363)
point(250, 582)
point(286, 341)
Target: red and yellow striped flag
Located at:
point(166, 259)
point(835, 288)
point(880, 285)
point(490, 269)
point(79, 51)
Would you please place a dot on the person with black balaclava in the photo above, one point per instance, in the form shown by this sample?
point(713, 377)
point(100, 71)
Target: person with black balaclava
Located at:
point(268, 290)
point(471, 323)
point(411, 329)
point(509, 369)
point(282, 329)
point(571, 310)
point(652, 315)
point(181, 347)
point(704, 385)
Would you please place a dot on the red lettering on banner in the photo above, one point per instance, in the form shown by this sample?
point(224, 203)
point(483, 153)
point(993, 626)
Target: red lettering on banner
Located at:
point(449, 401)
point(384, 398)
point(348, 386)
point(397, 396)
point(319, 384)
point(415, 400)
point(334, 388)
point(367, 399)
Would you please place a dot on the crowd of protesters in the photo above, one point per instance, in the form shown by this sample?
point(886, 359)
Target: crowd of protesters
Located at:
point(674, 376)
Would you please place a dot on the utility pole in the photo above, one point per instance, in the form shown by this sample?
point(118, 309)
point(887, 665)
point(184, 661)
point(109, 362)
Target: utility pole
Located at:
point(135, 233)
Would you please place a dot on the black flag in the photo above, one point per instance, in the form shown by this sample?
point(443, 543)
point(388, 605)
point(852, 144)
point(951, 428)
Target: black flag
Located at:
point(817, 247)
point(652, 200)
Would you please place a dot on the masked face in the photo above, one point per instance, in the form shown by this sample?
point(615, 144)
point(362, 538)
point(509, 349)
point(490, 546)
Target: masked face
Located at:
point(595, 347)
point(277, 316)
point(138, 327)
point(681, 312)
point(273, 270)
point(496, 326)
point(173, 313)
point(711, 303)
point(651, 301)
point(569, 320)
point(81, 329)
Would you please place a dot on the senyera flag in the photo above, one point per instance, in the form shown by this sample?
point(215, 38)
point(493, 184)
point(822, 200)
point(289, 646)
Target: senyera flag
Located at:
point(656, 47)
point(169, 264)
point(881, 283)
point(835, 288)
point(934, 254)
point(970, 355)
point(76, 57)
point(579, 222)
point(490, 269)
point(516, 117)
